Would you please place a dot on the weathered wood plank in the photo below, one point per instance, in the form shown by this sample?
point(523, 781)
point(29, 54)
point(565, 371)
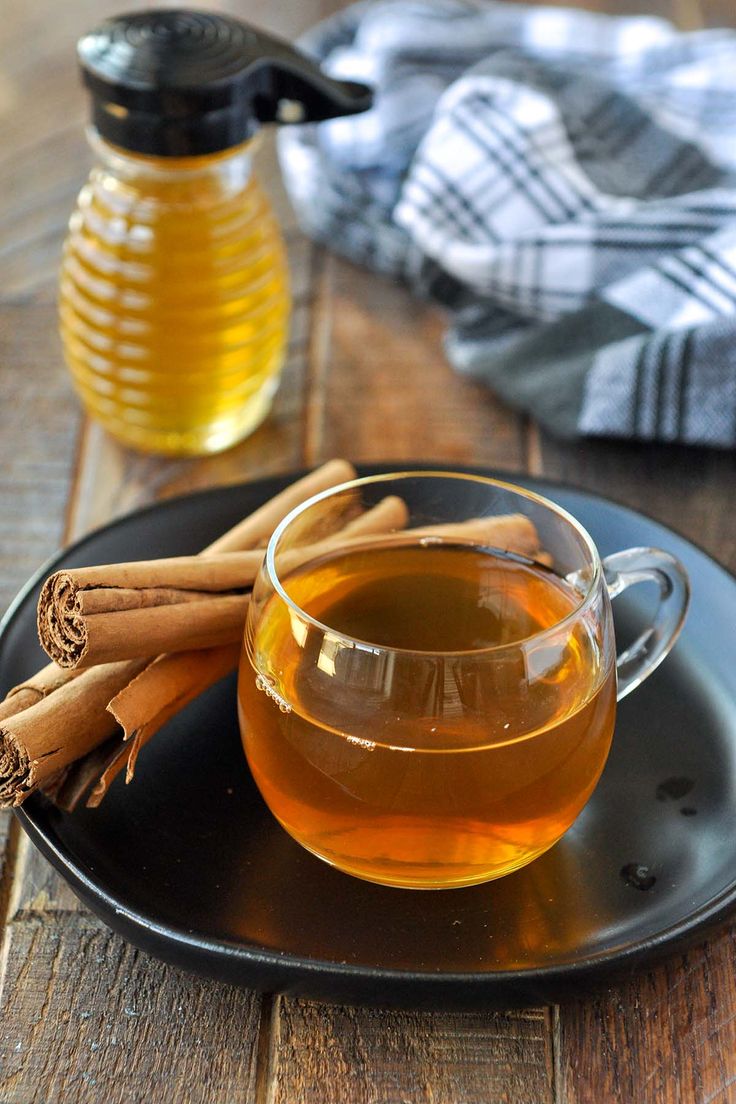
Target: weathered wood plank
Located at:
point(8, 834)
point(324, 1054)
point(666, 1038)
point(688, 14)
point(38, 427)
point(36, 887)
point(86, 1018)
point(381, 388)
point(709, 13)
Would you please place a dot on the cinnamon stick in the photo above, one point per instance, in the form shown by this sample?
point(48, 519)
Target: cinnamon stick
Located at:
point(103, 614)
point(93, 615)
point(38, 742)
point(256, 529)
point(391, 513)
point(506, 532)
point(33, 690)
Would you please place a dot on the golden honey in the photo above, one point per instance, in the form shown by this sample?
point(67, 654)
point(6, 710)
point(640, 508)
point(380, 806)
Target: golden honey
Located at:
point(174, 299)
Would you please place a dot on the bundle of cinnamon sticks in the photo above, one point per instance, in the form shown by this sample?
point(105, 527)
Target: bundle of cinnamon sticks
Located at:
point(132, 644)
point(71, 729)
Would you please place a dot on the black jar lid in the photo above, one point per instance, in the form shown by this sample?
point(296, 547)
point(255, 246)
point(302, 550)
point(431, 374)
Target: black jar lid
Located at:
point(177, 83)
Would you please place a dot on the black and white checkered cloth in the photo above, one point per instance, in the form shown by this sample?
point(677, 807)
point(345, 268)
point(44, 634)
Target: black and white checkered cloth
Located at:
point(564, 182)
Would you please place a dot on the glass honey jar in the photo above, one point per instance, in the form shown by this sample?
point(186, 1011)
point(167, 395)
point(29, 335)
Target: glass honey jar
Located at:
point(174, 300)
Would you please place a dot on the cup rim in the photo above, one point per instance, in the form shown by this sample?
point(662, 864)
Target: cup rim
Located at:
point(269, 564)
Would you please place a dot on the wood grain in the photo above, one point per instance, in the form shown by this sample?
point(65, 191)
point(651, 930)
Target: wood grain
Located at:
point(712, 13)
point(381, 387)
point(36, 887)
point(88, 1018)
point(39, 419)
point(325, 1054)
point(667, 1038)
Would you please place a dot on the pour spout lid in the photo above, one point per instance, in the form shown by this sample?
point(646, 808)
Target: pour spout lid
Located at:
point(178, 82)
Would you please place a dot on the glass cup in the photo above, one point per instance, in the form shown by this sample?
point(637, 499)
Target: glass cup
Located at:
point(428, 684)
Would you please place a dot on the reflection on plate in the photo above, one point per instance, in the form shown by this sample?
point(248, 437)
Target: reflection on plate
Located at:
point(188, 864)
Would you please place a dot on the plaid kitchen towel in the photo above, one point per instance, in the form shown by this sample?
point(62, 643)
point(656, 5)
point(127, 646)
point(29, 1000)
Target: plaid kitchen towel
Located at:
point(563, 182)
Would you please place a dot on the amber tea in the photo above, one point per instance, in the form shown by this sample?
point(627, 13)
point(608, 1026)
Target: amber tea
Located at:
point(438, 718)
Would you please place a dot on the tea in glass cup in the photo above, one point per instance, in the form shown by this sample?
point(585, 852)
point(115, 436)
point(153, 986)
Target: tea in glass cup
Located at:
point(432, 705)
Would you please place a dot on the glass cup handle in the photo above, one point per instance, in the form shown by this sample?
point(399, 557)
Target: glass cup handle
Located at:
point(637, 565)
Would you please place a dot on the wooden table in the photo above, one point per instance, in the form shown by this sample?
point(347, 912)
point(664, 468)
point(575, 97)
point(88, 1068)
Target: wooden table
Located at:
point(86, 1017)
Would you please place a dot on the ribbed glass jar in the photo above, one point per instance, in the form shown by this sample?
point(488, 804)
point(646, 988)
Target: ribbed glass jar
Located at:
point(174, 299)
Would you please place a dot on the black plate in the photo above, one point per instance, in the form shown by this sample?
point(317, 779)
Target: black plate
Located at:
point(188, 864)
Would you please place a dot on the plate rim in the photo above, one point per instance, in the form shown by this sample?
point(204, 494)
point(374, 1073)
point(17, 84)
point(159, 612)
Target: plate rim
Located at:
point(31, 815)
